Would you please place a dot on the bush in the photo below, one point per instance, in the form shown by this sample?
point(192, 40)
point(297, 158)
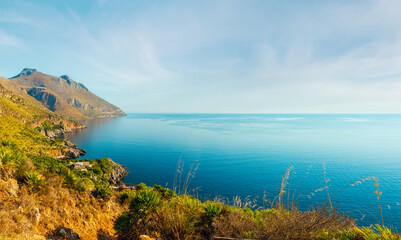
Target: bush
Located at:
point(5, 157)
point(7, 143)
point(127, 195)
point(165, 192)
point(105, 165)
point(179, 218)
point(103, 191)
point(212, 209)
point(145, 203)
point(123, 223)
point(34, 181)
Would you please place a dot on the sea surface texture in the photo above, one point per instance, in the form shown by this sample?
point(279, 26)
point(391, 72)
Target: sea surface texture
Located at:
point(247, 155)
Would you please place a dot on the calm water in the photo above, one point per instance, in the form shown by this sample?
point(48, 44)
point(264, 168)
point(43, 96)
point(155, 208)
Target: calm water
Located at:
point(247, 155)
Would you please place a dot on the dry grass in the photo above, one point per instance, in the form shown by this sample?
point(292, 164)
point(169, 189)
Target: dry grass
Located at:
point(28, 214)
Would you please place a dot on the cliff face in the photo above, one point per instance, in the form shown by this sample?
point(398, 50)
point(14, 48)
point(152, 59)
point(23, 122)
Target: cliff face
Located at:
point(64, 96)
point(118, 174)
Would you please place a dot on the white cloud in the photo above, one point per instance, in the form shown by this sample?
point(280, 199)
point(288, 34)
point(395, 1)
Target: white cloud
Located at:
point(222, 56)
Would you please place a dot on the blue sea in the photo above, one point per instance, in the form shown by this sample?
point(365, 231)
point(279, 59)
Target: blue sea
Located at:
point(247, 155)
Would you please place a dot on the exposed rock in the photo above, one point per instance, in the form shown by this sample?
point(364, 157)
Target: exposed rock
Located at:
point(10, 186)
point(118, 174)
point(67, 153)
point(72, 83)
point(64, 127)
point(70, 144)
point(64, 233)
point(64, 96)
point(26, 72)
point(48, 99)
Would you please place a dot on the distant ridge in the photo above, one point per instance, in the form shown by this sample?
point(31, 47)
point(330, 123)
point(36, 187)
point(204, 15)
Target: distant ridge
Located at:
point(63, 95)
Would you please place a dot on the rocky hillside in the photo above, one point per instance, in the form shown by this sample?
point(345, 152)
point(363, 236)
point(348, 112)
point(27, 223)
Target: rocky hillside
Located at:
point(42, 187)
point(63, 95)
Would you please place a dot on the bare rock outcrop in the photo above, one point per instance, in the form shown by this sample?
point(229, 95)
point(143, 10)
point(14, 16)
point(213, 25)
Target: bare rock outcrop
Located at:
point(118, 174)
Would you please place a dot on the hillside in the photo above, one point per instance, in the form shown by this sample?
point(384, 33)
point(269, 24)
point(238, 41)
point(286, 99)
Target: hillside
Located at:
point(39, 190)
point(63, 96)
point(46, 193)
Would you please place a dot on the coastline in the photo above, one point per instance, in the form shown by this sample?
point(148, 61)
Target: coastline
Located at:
point(72, 152)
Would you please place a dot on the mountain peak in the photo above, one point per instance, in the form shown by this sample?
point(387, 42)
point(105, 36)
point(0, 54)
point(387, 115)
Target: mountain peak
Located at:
point(29, 70)
point(66, 77)
point(63, 95)
point(26, 72)
point(72, 83)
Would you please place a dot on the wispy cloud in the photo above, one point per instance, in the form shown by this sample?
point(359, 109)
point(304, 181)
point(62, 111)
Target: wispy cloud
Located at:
point(7, 40)
point(225, 56)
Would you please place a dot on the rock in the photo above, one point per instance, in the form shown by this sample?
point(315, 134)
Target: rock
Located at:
point(118, 174)
point(76, 152)
point(68, 153)
point(69, 144)
point(64, 233)
point(10, 186)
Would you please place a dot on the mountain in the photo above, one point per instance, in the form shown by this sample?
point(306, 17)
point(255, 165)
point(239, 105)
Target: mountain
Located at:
point(63, 95)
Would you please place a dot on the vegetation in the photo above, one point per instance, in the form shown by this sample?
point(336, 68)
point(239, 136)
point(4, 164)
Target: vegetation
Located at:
point(39, 194)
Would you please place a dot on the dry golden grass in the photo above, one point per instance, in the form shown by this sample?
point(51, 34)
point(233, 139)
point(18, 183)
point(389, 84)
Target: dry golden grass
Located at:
point(28, 215)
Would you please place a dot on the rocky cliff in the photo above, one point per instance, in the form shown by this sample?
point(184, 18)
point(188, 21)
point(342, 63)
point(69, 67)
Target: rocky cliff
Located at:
point(118, 174)
point(63, 95)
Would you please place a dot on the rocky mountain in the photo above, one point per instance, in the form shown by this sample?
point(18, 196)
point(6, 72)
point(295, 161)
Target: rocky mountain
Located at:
point(63, 95)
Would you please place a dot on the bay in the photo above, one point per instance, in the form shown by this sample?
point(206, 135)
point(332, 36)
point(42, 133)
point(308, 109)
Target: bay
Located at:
point(247, 155)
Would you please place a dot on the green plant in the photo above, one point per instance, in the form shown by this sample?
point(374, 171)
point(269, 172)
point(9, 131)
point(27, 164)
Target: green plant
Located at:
point(250, 235)
point(127, 195)
point(165, 192)
point(103, 191)
point(34, 181)
point(123, 223)
point(145, 203)
point(7, 143)
point(212, 209)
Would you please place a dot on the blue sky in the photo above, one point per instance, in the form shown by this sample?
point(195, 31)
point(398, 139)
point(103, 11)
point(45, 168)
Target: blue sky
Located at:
point(214, 56)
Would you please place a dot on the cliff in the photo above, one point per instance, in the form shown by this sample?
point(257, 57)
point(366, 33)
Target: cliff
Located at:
point(63, 95)
point(118, 173)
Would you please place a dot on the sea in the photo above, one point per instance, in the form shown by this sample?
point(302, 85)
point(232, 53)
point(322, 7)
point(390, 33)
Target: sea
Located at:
point(311, 159)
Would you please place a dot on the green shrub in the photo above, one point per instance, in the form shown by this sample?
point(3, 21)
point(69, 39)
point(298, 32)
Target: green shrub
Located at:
point(145, 203)
point(6, 156)
point(34, 181)
point(103, 191)
point(123, 223)
point(48, 125)
point(141, 186)
point(70, 178)
point(105, 165)
point(250, 235)
point(83, 184)
point(7, 143)
point(212, 209)
point(165, 192)
point(127, 195)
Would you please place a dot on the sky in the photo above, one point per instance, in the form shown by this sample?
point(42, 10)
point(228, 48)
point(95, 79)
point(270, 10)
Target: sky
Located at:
point(214, 56)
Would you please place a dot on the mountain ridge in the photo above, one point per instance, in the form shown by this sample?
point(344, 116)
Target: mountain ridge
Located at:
point(63, 95)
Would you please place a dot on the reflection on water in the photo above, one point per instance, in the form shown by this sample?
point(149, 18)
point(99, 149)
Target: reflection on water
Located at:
point(247, 154)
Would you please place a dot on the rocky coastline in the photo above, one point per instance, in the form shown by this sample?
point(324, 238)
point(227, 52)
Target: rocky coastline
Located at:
point(71, 151)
